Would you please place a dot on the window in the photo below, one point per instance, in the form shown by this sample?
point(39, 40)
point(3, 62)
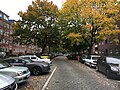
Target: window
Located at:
point(33, 57)
point(89, 57)
point(10, 61)
point(26, 57)
point(106, 41)
point(5, 17)
point(1, 24)
point(1, 31)
point(0, 15)
point(18, 61)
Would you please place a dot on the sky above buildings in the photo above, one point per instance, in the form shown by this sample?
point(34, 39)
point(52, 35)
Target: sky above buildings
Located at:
point(12, 7)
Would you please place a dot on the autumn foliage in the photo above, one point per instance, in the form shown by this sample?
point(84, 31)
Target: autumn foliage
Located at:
point(94, 19)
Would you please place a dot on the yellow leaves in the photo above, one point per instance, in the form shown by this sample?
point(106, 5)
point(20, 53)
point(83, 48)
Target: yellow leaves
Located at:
point(73, 35)
point(105, 19)
point(87, 35)
point(75, 38)
point(86, 12)
point(115, 32)
point(112, 33)
point(105, 32)
point(88, 26)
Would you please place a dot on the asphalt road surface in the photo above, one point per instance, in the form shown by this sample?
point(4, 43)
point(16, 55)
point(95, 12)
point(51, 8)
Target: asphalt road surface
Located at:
point(72, 75)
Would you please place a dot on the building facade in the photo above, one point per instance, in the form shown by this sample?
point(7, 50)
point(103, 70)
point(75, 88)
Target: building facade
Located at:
point(108, 47)
point(6, 40)
point(5, 29)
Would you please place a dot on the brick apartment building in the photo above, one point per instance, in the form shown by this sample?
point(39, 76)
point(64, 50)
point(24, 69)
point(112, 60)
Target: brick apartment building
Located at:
point(108, 47)
point(6, 40)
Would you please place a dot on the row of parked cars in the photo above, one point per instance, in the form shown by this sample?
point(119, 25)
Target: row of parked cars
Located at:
point(15, 70)
point(107, 65)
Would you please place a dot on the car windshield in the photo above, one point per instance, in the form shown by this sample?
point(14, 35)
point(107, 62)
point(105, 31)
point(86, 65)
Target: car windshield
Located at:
point(95, 58)
point(4, 64)
point(113, 60)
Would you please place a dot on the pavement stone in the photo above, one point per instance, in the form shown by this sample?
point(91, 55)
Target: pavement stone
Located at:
point(72, 75)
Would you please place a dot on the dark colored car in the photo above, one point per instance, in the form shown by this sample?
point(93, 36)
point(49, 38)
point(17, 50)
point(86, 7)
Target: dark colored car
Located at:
point(109, 66)
point(34, 67)
point(74, 57)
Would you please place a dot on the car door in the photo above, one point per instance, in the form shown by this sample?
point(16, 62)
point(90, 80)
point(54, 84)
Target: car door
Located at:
point(87, 60)
point(17, 62)
point(103, 65)
point(11, 61)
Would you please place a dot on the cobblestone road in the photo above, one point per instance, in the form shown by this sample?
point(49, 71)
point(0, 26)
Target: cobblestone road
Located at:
point(71, 75)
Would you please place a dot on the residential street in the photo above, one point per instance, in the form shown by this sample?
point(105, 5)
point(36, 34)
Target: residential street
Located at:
point(72, 75)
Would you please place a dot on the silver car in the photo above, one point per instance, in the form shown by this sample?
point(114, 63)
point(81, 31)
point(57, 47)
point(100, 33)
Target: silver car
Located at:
point(7, 83)
point(35, 58)
point(20, 74)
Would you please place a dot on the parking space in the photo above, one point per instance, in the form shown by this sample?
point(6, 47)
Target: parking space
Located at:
point(35, 82)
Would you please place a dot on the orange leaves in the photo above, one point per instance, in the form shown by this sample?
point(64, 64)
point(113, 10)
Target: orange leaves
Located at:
point(88, 26)
point(86, 12)
point(75, 38)
point(96, 18)
point(105, 19)
point(73, 35)
point(112, 33)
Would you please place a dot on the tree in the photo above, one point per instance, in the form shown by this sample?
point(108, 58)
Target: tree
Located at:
point(37, 25)
point(91, 20)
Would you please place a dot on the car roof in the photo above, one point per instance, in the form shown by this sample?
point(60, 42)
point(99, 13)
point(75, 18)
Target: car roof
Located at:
point(112, 59)
point(27, 55)
point(13, 58)
point(95, 55)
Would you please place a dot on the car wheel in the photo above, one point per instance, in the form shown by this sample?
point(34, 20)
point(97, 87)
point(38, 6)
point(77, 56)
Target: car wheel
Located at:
point(107, 73)
point(85, 63)
point(36, 71)
point(90, 65)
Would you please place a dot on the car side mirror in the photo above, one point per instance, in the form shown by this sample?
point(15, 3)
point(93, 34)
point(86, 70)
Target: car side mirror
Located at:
point(24, 62)
point(103, 61)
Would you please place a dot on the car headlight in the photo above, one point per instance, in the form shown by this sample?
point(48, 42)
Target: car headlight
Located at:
point(20, 73)
point(115, 69)
point(45, 65)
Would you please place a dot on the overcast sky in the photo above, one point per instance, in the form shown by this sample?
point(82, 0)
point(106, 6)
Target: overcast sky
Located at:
point(12, 7)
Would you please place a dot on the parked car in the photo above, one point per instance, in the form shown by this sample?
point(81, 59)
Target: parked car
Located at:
point(91, 60)
point(35, 58)
point(2, 54)
point(74, 57)
point(20, 74)
point(7, 83)
point(82, 57)
point(109, 66)
point(34, 67)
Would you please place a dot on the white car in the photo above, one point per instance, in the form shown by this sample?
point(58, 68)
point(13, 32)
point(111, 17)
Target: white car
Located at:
point(35, 58)
point(7, 83)
point(20, 74)
point(91, 60)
